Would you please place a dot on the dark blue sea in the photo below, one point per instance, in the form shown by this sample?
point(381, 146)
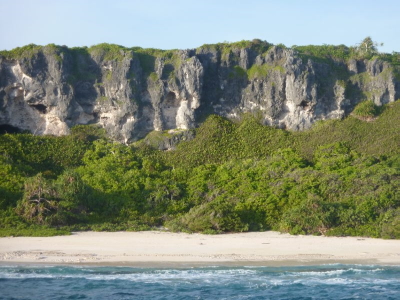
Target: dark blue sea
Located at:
point(300, 282)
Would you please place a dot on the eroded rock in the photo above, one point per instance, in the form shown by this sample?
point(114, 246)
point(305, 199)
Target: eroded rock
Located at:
point(133, 93)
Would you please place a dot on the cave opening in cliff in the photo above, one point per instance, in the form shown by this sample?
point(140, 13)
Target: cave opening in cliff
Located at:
point(40, 107)
point(304, 104)
point(170, 99)
point(5, 128)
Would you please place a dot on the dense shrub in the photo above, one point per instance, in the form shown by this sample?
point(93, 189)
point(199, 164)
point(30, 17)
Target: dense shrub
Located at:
point(332, 180)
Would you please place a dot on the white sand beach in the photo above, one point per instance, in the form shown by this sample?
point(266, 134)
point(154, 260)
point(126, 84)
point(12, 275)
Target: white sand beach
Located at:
point(156, 248)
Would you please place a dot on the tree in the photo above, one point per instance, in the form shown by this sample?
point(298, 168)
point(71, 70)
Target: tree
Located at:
point(53, 202)
point(39, 202)
point(368, 46)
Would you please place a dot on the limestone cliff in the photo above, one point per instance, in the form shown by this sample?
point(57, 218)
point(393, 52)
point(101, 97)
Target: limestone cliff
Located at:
point(133, 91)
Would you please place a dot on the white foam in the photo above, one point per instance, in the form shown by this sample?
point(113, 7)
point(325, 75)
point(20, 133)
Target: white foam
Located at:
point(210, 276)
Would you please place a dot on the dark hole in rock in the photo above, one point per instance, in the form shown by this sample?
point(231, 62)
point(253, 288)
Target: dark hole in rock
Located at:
point(170, 98)
point(5, 128)
point(102, 91)
point(40, 107)
point(304, 104)
point(361, 66)
point(168, 69)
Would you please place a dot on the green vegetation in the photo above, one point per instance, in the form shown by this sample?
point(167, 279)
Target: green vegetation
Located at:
point(102, 99)
point(231, 51)
point(27, 51)
point(147, 58)
point(258, 71)
point(366, 110)
point(153, 76)
point(367, 49)
point(330, 54)
point(108, 51)
point(339, 178)
point(333, 55)
point(80, 66)
point(256, 45)
point(324, 52)
point(376, 138)
point(338, 57)
point(237, 72)
point(262, 71)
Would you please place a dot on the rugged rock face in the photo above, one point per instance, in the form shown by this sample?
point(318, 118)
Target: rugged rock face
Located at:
point(131, 92)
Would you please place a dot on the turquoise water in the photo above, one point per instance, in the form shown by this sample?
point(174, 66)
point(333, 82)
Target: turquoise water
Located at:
point(301, 282)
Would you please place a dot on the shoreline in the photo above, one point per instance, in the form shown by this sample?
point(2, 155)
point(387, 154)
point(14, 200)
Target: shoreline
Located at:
point(150, 249)
point(190, 265)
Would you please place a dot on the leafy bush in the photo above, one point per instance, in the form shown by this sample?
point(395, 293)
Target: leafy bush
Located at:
point(21, 52)
point(53, 202)
point(339, 178)
point(108, 51)
point(390, 225)
point(366, 110)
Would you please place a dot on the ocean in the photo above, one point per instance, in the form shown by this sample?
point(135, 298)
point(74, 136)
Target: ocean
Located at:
point(334, 281)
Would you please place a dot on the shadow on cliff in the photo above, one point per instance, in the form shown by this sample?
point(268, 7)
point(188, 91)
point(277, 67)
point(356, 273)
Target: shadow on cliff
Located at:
point(84, 75)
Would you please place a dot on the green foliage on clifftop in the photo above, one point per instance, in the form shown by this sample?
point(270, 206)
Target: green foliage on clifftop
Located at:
point(333, 55)
point(339, 178)
point(108, 51)
point(21, 52)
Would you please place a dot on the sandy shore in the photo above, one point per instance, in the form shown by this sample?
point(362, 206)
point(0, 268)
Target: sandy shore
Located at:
point(153, 248)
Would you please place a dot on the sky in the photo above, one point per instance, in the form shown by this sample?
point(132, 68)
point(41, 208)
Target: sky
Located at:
point(169, 24)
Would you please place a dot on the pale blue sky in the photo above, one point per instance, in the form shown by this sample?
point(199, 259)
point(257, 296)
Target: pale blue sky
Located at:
point(169, 24)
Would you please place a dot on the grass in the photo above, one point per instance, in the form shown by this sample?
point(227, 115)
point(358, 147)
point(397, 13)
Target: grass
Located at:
point(257, 71)
point(238, 72)
point(380, 137)
point(324, 52)
point(108, 51)
point(33, 231)
point(153, 76)
point(256, 45)
point(155, 137)
point(366, 110)
point(147, 58)
point(27, 51)
point(262, 71)
point(218, 140)
point(102, 99)
point(231, 177)
point(363, 78)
